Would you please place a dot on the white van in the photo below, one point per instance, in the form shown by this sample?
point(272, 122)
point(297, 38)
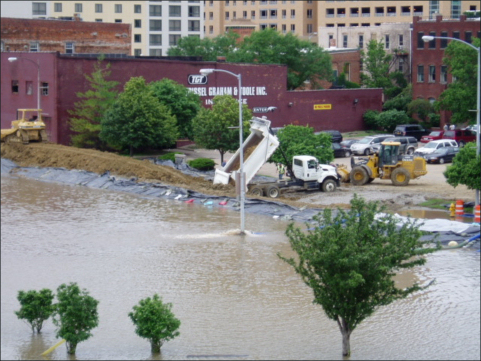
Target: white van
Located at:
point(434, 145)
point(363, 147)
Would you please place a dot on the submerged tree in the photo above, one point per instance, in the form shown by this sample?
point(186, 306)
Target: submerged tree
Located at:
point(75, 315)
point(36, 307)
point(155, 321)
point(349, 261)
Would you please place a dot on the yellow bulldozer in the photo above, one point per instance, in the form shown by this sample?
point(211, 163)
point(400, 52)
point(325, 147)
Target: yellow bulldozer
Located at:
point(388, 163)
point(29, 126)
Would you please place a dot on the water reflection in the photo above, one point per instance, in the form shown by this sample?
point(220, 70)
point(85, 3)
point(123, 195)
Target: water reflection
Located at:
point(234, 297)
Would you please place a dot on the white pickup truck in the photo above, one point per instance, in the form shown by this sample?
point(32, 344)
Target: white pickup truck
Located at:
point(306, 172)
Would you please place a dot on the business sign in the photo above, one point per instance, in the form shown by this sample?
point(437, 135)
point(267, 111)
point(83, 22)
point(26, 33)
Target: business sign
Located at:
point(197, 79)
point(260, 110)
point(322, 106)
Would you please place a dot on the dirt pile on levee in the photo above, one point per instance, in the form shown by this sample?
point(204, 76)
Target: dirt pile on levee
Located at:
point(55, 155)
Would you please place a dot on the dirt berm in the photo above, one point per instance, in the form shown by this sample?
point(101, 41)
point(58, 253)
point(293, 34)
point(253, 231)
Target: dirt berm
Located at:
point(433, 185)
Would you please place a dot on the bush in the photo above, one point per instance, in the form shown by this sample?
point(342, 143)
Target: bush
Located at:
point(169, 156)
point(36, 307)
point(388, 120)
point(202, 163)
point(370, 118)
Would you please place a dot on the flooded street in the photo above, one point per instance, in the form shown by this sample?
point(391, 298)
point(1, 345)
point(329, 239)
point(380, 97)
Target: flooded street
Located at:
point(234, 297)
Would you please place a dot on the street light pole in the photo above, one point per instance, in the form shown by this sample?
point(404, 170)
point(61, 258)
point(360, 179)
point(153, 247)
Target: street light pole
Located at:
point(428, 38)
point(12, 59)
point(206, 72)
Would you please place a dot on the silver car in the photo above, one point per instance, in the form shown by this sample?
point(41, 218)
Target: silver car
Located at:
point(363, 147)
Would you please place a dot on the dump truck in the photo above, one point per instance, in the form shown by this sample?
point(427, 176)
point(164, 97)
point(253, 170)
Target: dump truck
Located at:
point(388, 163)
point(305, 174)
point(28, 127)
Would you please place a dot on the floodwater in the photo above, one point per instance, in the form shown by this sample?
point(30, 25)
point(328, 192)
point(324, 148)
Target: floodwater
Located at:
point(436, 214)
point(235, 298)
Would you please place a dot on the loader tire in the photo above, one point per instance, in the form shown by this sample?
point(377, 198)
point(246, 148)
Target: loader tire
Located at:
point(273, 192)
point(400, 177)
point(359, 176)
point(257, 191)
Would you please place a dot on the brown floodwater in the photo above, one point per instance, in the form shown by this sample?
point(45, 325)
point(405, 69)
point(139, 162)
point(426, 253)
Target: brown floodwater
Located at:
point(234, 297)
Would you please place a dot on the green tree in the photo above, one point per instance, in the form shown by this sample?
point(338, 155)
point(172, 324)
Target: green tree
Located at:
point(88, 113)
point(137, 119)
point(400, 101)
point(182, 103)
point(211, 126)
point(349, 260)
point(460, 96)
point(75, 315)
point(466, 168)
point(389, 119)
point(420, 107)
point(301, 140)
point(370, 118)
point(36, 307)
point(155, 321)
point(377, 74)
point(304, 60)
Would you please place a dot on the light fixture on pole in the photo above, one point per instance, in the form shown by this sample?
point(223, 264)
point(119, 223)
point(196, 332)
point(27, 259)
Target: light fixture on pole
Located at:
point(206, 72)
point(428, 38)
point(12, 59)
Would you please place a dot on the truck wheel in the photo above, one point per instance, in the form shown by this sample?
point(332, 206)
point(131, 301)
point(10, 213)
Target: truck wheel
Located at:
point(359, 176)
point(461, 144)
point(400, 177)
point(273, 191)
point(367, 151)
point(410, 151)
point(257, 191)
point(347, 153)
point(329, 186)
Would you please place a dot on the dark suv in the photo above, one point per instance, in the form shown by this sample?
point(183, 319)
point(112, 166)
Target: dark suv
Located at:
point(410, 130)
point(336, 136)
point(461, 136)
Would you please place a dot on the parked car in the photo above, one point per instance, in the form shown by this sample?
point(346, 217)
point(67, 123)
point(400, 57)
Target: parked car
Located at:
point(408, 145)
point(434, 145)
point(461, 136)
point(411, 130)
point(363, 147)
point(434, 135)
point(442, 155)
point(340, 151)
point(346, 143)
point(336, 136)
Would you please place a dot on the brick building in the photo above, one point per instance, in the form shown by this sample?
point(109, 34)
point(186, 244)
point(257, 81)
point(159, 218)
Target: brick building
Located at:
point(430, 76)
point(62, 76)
point(65, 36)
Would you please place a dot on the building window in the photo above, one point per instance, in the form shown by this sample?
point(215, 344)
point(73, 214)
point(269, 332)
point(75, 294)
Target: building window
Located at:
point(309, 13)
point(401, 65)
point(284, 28)
point(432, 74)
point(401, 41)
point(173, 39)
point(194, 11)
point(468, 36)
point(293, 14)
point(273, 14)
point(155, 52)
point(253, 14)
point(433, 8)
point(211, 29)
point(39, 8)
point(118, 20)
point(420, 73)
point(361, 41)
point(244, 15)
point(420, 40)
point(155, 25)
point(118, 8)
point(137, 52)
point(455, 9)
point(234, 15)
point(432, 43)
point(227, 15)
point(174, 10)
point(174, 25)
point(98, 20)
point(34, 46)
point(69, 48)
point(15, 86)
point(309, 28)
point(137, 9)
point(78, 8)
point(293, 28)
point(45, 89)
point(194, 25)
point(137, 23)
point(57, 7)
point(263, 14)
point(444, 42)
point(29, 87)
point(155, 39)
point(137, 38)
point(98, 8)
point(263, 26)
point(456, 35)
point(387, 40)
point(344, 41)
point(444, 74)
point(155, 10)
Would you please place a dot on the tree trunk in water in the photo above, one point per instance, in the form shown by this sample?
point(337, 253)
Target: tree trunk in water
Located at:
point(131, 151)
point(346, 344)
point(155, 346)
point(71, 348)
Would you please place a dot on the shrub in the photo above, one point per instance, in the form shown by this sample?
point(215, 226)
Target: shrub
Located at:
point(202, 163)
point(169, 156)
point(370, 118)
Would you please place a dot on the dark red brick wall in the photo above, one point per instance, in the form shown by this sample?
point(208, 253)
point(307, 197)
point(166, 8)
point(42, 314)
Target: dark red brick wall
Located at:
point(264, 85)
point(425, 56)
point(88, 37)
